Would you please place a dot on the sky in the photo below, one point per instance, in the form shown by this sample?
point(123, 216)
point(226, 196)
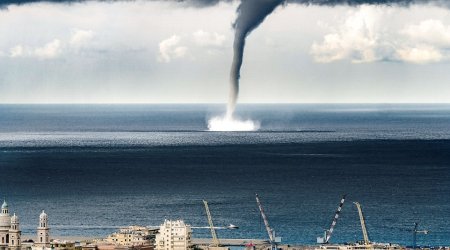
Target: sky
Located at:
point(164, 52)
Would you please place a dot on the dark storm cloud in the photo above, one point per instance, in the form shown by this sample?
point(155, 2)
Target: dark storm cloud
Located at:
point(213, 2)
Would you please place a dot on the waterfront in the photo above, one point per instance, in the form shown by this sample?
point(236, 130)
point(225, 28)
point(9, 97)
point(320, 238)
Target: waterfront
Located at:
point(97, 168)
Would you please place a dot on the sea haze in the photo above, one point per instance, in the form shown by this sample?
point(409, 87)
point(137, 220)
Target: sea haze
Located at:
point(97, 167)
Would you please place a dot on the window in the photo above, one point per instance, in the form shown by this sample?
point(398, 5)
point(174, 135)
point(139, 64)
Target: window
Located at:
point(41, 238)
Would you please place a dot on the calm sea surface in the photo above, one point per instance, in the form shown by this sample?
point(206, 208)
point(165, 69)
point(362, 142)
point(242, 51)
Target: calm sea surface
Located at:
point(97, 167)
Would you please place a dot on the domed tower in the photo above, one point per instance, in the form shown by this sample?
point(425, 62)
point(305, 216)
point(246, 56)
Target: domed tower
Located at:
point(14, 233)
point(43, 238)
point(5, 224)
point(5, 207)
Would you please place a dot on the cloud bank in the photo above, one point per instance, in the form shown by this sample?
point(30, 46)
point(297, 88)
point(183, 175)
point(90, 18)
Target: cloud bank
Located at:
point(203, 3)
point(365, 36)
point(177, 46)
point(52, 49)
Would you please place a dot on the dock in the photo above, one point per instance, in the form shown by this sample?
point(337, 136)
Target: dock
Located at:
point(229, 242)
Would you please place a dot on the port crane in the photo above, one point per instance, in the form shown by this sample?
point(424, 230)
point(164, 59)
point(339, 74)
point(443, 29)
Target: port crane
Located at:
point(327, 235)
point(415, 232)
point(272, 239)
point(363, 224)
point(215, 240)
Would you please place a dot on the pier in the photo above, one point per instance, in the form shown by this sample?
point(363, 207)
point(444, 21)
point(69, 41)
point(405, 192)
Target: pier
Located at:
point(230, 242)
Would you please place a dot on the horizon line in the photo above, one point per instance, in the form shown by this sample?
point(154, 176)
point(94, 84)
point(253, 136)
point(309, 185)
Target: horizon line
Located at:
point(212, 103)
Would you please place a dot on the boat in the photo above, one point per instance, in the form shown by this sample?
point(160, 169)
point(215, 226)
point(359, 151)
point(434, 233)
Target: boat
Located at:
point(231, 226)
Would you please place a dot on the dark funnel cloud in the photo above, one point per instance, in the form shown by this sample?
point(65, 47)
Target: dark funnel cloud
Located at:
point(251, 13)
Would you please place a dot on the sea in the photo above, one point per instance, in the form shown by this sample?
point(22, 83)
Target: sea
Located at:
point(95, 168)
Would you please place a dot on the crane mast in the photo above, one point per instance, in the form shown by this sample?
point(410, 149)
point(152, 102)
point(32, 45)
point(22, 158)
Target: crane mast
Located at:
point(266, 223)
point(329, 232)
point(363, 223)
point(215, 240)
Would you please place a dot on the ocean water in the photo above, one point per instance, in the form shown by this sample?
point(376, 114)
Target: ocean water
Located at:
point(94, 168)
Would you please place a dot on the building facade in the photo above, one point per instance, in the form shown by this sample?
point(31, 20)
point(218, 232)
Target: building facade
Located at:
point(132, 236)
point(10, 234)
point(63, 245)
point(43, 237)
point(174, 235)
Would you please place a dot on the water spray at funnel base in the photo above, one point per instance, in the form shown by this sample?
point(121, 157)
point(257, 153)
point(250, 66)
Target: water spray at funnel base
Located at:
point(229, 122)
point(225, 123)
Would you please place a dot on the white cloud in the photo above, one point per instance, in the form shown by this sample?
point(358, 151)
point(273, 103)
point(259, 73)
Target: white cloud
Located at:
point(429, 31)
point(80, 38)
point(366, 36)
point(18, 51)
point(425, 42)
point(208, 39)
point(200, 42)
point(53, 49)
point(420, 55)
point(358, 38)
point(170, 48)
point(50, 50)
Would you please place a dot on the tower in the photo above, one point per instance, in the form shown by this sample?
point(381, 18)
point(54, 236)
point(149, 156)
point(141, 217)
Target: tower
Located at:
point(5, 224)
point(43, 239)
point(14, 233)
point(5, 209)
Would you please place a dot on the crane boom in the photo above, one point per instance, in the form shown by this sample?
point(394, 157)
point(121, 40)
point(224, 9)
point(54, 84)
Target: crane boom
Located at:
point(215, 240)
point(363, 224)
point(336, 216)
point(266, 222)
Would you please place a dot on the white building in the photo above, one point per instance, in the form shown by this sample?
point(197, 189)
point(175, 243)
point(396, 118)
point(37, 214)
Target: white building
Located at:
point(9, 229)
point(132, 236)
point(174, 235)
point(42, 241)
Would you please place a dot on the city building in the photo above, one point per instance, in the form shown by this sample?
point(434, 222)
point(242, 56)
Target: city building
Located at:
point(64, 245)
point(42, 241)
point(9, 229)
point(133, 236)
point(174, 235)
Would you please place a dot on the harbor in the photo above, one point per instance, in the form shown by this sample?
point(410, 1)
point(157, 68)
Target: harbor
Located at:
point(178, 235)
